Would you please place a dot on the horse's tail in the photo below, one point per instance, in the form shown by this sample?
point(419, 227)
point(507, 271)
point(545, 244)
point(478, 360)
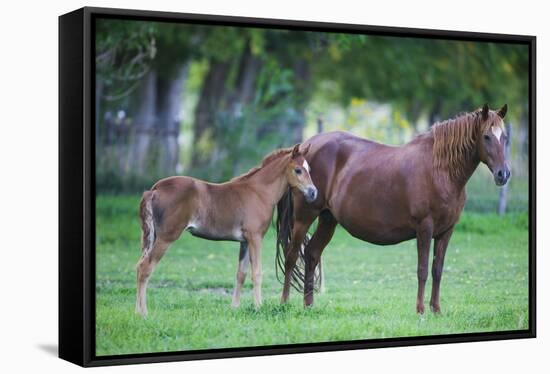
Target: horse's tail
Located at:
point(284, 224)
point(148, 235)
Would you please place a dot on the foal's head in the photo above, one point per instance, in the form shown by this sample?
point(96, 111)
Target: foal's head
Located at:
point(492, 142)
point(297, 173)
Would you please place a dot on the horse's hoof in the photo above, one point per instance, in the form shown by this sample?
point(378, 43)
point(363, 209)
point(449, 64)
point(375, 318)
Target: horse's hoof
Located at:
point(435, 309)
point(420, 309)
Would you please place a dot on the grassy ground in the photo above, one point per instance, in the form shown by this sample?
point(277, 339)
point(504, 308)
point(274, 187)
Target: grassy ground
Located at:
point(370, 290)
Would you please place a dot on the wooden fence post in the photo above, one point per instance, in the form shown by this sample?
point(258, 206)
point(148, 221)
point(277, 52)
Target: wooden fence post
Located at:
point(503, 196)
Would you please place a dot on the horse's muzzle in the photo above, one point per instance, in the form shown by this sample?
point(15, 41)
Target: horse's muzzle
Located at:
point(501, 176)
point(310, 194)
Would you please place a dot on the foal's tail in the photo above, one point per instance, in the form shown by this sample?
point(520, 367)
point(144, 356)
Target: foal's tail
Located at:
point(147, 224)
point(284, 224)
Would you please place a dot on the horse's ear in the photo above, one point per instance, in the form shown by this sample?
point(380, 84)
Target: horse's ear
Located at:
point(306, 150)
point(296, 150)
point(485, 112)
point(502, 111)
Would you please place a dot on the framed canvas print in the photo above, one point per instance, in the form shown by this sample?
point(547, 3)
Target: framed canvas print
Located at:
point(237, 186)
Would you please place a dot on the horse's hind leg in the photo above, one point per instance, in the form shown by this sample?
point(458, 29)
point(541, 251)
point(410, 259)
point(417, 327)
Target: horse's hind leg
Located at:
point(440, 247)
point(244, 258)
point(314, 249)
point(144, 268)
point(424, 234)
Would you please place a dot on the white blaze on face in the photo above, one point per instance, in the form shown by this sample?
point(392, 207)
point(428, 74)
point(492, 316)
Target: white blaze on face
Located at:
point(306, 166)
point(497, 132)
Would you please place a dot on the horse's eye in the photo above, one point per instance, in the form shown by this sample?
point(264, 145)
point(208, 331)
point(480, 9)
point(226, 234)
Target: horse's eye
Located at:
point(487, 138)
point(298, 171)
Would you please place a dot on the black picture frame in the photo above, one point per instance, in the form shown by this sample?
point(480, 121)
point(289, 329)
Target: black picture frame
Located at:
point(77, 191)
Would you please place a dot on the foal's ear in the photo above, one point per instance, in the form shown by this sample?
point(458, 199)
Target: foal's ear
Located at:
point(485, 112)
point(306, 149)
point(502, 111)
point(296, 150)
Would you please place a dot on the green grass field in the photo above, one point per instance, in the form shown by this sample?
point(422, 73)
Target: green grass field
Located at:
point(370, 290)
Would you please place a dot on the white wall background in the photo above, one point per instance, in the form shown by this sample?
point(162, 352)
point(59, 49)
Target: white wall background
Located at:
point(28, 188)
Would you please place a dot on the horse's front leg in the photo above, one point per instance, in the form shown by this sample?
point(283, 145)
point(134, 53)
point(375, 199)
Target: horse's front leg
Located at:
point(321, 237)
point(440, 247)
point(298, 234)
point(424, 234)
point(255, 250)
point(242, 268)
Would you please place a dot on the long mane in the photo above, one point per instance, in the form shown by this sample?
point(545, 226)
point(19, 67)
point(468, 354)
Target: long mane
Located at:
point(275, 155)
point(455, 139)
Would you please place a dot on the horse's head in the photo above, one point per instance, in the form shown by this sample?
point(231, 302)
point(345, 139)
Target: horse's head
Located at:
point(492, 142)
point(297, 173)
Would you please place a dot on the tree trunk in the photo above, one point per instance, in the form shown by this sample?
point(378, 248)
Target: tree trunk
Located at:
point(205, 112)
point(144, 124)
point(245, 90)
point(523, 138)
point(415, 109)
point(249, 68)
point(320, 126)
point(169, 95)
point(98, 111)
point(302, 78)
point(435, 113)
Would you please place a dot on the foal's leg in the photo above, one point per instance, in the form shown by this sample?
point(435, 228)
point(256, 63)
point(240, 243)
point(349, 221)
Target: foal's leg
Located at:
point(255, 250)
point(314, 249)
point(440, 247)
point(242, 268)
point(144, 268)
point(423, 240)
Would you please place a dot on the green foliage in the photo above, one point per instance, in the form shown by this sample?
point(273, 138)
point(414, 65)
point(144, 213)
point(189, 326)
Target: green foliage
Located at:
point(379, 87)
point(124, 53)
point(370, 290)
point(421, 75)
point(240, 137)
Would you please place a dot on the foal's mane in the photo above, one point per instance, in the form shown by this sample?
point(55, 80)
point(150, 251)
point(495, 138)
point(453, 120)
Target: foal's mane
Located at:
point(454, 139)
point(275, 155)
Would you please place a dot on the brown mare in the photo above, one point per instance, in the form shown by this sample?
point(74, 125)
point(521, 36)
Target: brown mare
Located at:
point(239, 210)
point(385, 195)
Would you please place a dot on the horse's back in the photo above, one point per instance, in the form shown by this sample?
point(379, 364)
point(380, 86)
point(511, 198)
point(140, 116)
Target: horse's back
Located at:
point(368, 186)
point(342, 141)
point(338, 156)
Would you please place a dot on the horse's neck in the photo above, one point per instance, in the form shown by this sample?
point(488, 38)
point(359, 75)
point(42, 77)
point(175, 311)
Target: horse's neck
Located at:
point(469, 167)
point(270, 182)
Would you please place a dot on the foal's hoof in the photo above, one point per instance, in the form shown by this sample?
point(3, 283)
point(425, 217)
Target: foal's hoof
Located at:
point(435, 309)
point(420, 309)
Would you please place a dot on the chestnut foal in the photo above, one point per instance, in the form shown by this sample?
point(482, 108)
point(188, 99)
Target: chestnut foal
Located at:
point(239, 210)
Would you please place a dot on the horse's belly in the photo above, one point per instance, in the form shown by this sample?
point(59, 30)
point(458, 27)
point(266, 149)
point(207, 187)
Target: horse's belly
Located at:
point(210, 232)
point(380, 234)
point(374, 218)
